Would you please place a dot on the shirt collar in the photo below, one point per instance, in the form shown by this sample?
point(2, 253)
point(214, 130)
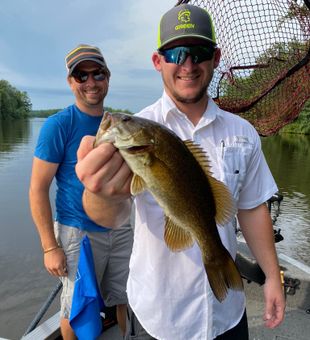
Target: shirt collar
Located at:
point(208, 117)
point(168, 105)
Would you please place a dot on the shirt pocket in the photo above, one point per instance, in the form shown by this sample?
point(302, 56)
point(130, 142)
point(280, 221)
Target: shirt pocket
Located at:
point(235, 160)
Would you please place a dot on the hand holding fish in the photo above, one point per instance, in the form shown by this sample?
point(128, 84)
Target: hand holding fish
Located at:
point(107, 179)
point(103, 170)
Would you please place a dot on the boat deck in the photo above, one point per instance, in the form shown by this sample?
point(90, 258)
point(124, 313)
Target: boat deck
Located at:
point(296, 325)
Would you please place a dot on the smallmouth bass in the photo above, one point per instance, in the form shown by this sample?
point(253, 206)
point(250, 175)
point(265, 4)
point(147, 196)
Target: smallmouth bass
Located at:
point(178, 176)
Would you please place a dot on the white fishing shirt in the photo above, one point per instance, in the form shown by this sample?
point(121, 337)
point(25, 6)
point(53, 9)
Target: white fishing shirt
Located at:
point(169, 291)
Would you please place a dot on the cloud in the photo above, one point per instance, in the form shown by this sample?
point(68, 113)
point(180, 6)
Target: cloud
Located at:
point(37, 34)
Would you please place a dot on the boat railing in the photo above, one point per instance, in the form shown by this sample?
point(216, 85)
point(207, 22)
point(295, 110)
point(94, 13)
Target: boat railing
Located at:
point(43, 309)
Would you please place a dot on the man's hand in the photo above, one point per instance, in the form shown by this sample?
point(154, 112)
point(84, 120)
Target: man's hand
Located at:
point(274, 303)
point(55, 262)
point(102, 170)
point(106, 178)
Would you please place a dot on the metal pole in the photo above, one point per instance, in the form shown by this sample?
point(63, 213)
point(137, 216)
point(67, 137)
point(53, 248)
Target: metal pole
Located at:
point(43, 309)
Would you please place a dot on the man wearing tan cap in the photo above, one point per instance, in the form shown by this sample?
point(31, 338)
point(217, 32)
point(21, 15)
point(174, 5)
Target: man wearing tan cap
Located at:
point(169, 292)
point(55, 157)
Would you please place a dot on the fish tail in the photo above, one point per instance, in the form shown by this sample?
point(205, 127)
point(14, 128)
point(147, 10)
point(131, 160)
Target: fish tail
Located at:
point(223, 276)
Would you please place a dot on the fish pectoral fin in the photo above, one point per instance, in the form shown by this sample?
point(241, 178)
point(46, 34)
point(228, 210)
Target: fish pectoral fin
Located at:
point(137, 185)
point(176, 237)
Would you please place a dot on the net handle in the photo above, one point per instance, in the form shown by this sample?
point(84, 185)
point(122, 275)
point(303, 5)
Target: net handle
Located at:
point(180, 2)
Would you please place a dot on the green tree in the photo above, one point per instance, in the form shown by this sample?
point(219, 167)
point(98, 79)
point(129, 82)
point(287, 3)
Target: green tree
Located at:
point(14, 104)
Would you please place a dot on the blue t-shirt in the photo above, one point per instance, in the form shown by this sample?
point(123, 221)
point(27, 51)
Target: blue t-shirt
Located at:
point(59, 139)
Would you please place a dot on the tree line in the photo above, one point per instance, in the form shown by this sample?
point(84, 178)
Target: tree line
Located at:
point(14, 104)
point(47, 113)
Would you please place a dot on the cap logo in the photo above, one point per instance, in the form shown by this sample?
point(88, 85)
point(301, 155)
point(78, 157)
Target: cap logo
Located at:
point(184, 17)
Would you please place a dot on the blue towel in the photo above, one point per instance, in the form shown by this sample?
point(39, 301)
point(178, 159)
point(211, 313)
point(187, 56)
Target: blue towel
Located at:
point(87, 302)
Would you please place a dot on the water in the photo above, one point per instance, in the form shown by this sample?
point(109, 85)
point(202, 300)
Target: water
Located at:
point(24, 283)
point(289, 159)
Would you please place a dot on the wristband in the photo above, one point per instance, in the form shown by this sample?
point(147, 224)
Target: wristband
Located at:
point(51, 249)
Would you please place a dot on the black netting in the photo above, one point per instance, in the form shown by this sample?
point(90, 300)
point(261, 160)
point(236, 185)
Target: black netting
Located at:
point(264, 74)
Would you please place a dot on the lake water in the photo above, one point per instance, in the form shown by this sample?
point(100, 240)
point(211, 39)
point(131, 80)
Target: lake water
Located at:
point(24, 283)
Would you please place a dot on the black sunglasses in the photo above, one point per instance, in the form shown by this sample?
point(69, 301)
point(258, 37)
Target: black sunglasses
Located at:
point(82, 76)
point(177, 55)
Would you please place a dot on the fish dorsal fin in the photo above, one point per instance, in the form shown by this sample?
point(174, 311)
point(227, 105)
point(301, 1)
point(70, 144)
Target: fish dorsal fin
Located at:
point(225, 207)
point(200, 156)
point(176, 237)
point(137, 185)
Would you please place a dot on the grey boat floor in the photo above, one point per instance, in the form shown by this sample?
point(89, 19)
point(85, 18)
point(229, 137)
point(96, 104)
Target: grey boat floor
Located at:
point(296, 325)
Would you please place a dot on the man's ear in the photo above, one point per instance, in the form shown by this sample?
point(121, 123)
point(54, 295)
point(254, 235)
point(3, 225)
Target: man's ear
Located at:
point(217, 57)
point(156, 61)
point(70, 81)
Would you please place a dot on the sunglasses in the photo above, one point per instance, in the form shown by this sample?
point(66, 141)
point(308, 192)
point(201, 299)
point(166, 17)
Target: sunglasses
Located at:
point(82, 76)
point(177, 55)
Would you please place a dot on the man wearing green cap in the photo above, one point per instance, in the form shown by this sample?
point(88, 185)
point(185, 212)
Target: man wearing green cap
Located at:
point(55, 156)
point(169, 293)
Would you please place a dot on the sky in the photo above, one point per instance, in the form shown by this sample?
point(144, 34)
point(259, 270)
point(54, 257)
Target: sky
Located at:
point(37, 34)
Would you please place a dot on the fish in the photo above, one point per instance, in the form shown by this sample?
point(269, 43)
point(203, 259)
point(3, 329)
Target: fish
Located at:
point(178, 175)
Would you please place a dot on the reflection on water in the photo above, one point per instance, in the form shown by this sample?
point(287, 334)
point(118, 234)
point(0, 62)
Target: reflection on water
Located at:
point(289, 159)
point(25, 285)
point(13, 134)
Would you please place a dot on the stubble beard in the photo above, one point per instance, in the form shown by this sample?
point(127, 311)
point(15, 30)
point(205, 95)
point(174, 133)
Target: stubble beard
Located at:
point(190, 100)
point(94, 102)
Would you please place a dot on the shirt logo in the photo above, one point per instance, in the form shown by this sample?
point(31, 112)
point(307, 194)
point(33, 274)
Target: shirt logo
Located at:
point(184, 17)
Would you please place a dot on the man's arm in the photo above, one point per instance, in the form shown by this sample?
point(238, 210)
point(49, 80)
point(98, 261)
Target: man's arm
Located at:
point(42, 175)
point(256, 226)
point(106, 178)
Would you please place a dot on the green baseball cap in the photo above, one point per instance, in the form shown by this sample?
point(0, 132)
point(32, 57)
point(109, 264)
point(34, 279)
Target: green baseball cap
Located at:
point(185, 21)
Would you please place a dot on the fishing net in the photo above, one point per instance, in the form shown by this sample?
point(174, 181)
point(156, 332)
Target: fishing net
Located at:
point(264, 74)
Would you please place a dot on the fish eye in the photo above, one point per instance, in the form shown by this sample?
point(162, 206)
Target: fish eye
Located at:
point(126, 118)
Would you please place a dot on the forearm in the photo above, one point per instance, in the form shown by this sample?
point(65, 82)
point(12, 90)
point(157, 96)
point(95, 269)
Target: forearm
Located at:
point(256, 226)
point(42, 216)
point(108, 213)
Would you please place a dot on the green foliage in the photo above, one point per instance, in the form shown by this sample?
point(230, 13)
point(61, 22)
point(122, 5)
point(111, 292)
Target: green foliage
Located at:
point(47, 113)
point(109, 109)
point(302, 124)
point(14, 104)
point(43, 113)
point(275, 60)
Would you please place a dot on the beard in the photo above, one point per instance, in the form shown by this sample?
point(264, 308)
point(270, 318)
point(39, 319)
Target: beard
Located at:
point(190, 100)
point(195, 97)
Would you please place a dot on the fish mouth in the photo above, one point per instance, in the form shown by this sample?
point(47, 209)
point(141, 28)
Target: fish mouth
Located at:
point(106, 121)
point(136, 148)
point(111, 131)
